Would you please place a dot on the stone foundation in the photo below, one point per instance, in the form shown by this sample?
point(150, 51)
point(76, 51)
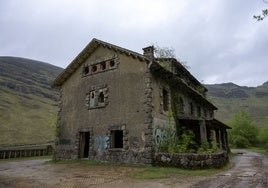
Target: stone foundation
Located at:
point(192, 161)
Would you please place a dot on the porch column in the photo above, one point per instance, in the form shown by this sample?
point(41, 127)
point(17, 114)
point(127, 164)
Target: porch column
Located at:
point(223, 139)
point(218, 137)
point(203, 130)
point(227, 142)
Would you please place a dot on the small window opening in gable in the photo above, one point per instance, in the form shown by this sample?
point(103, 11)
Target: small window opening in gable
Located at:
point(86, 70)
point(181, 105)
point(199, 111)
point(94, 68)
point(191, 108)
point(103, 65)
point(112, 63)
point(165, 100)
point(101, 97)
point(117, 139)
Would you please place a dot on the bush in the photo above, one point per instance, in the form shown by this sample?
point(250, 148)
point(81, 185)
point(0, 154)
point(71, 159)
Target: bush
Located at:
point(263, 135)
point(186, 144)
point(244, 132)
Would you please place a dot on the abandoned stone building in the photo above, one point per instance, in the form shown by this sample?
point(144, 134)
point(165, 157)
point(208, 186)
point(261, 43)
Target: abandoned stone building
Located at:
point(115, 105)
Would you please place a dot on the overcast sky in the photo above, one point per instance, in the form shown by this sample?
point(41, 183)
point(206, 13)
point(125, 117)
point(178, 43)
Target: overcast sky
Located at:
point(219, 39)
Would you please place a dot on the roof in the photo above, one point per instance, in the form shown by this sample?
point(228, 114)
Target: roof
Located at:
point(179, 82)
point(86, 52)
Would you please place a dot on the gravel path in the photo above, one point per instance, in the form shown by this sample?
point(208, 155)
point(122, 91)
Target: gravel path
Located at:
point(250, 170)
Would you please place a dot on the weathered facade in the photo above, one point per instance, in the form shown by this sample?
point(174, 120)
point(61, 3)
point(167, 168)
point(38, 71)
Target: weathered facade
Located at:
point(115, 105)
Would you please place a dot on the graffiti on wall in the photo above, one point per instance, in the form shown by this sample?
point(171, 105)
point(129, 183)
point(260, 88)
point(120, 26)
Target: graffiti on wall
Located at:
point(101, 143)
point(161, 135)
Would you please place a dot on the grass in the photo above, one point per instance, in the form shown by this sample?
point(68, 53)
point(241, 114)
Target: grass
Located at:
point(164, 172)
point(149, 172)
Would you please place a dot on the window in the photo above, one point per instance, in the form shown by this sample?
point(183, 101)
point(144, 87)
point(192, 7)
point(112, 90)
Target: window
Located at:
point(181, 105)
point(101, 97)
point(205, 113)
point(165, 100)
point(92, 99)
point(117, 139)
point(191, 108)
point(199, 111)
point(86, 70)
point(211, 114)
point(97, 97)
point(112, 63)
point(103, 65)
point(94, 68)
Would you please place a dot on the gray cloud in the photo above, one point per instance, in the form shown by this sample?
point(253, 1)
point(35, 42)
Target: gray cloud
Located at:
point(219, 39)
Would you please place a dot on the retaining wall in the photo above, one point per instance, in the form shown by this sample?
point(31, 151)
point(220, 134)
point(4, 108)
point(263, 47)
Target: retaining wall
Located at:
point(192, 161)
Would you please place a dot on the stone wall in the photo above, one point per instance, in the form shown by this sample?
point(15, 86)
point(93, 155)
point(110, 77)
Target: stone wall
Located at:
point(192, 161)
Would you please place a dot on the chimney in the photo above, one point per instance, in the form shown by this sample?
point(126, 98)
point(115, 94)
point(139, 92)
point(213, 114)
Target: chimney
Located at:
point(149, 52)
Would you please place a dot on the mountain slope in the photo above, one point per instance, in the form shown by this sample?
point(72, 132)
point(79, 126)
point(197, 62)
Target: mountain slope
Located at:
point(230, 98)
point(28, 105)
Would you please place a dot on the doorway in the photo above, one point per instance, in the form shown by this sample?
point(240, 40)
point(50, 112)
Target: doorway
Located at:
point(84, 144)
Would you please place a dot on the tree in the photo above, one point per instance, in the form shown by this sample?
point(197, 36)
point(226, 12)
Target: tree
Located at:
point(263, 15)
point(166, 52)
point(263, 135)
point(244, 132)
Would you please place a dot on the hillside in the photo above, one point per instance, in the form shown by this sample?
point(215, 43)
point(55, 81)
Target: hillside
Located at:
point(28, 105)
point(230, 98)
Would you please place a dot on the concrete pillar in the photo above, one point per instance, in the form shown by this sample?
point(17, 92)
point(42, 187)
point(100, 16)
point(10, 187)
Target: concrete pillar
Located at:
point(203, 130)
point(227, 142)
point(218, 138)
point(222, 133)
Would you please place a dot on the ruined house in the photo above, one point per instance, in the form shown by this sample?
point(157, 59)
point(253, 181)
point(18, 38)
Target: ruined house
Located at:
point(115, 105)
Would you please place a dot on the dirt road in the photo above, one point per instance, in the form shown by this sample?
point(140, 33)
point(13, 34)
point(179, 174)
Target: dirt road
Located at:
point(250, 170)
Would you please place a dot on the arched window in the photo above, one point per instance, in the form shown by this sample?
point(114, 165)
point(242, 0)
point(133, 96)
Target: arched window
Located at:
point(101, 98)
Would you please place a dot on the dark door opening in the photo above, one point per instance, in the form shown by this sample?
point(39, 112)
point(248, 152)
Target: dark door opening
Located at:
point(84, 144)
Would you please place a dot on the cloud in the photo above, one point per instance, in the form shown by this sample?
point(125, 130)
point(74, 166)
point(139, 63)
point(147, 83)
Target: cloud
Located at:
point(218, 39)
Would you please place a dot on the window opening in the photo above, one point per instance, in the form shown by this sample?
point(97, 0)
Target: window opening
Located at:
point(165, 100)
point(191, 108)
point(103, 65)
point(92, 99)
point(112, 63)
point(94, 68)
point(117, 139)
point(211, 114)
point(205, 113)
point(86, 70)
point(181, 105)
point(101, 98)
point(199, 111)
